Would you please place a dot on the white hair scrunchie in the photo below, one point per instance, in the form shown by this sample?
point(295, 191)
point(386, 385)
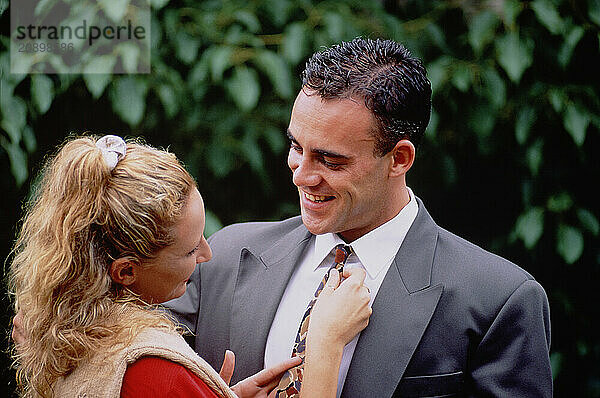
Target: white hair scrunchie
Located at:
point(113, 149)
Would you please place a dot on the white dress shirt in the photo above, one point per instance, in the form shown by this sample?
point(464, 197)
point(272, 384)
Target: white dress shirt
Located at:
point(374, 252)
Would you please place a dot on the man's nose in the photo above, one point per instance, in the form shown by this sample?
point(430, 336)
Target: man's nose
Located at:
point(304, 172)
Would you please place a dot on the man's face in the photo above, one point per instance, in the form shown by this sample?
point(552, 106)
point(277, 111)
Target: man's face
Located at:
point(343, 187)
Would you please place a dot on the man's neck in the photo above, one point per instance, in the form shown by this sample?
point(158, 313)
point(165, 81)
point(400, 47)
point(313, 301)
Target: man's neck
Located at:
point(397, 203)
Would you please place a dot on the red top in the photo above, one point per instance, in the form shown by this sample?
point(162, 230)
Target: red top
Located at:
point(158, 377)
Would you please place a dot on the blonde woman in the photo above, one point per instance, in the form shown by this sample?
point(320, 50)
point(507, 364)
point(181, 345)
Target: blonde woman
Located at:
point(113, 229)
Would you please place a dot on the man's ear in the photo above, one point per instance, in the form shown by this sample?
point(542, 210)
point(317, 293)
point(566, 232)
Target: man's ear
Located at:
point(123, 271)
point(403, 156)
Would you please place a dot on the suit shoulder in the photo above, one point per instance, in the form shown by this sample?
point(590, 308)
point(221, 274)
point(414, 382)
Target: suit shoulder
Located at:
point(478, 265)
point(478, 283)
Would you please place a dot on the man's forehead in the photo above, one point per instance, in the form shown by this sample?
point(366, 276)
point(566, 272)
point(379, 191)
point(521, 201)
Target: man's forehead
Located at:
point(308, 94)
point(367, 139)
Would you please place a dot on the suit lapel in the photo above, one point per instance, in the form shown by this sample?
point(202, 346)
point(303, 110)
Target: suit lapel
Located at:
point(402, 310)
point(261, 281)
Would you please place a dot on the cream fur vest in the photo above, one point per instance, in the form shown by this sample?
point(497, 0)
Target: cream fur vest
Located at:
point(102, 376)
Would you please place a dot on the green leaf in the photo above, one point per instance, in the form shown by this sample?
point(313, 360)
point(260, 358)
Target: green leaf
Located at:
point(114, 9)
point(186, 47)
point(97, 74)
point(514, 54)
point(556, 362)
point(495, 87)
point(96, 83)
point(277, 70)
point(169, 99)
point(219, 60)
point(437, 36)
point(236, 36)
point(594, 11)
point(252, 153)
point(294, 45)
point(199, 73)
point(334, 26)
point(482, 119)
point(557, 98)
point(22, 65)
point(279, 11)
point(156, 35)
point(29, 139)
point(3, 6)
point(128, 98)
point(588, 221)
point(569, 243)
point(566, 50)
point(248, 19)
point(14, 112)
point(461, 78)
point(548, 15)
point(525, 119)
point(130, 54)
point(434, 121)
point(219, 159)
point(274, 138)
point(560, 202)
point(576, 120)
point(481, 30)
point(42, 92)
point(100, 64)
point(534, 156)
point(530, 226)
point(511, 10)
point(437, 72)
point(243, 88)
point(17, 159)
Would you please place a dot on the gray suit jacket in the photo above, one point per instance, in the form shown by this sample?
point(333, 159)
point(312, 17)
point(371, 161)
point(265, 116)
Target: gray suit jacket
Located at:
point(450, 319)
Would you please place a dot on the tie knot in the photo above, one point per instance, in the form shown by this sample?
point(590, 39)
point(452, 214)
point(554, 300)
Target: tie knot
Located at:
point(341, 253)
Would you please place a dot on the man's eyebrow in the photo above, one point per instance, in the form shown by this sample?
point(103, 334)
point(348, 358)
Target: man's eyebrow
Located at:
point(329, 154)
point(321, 152)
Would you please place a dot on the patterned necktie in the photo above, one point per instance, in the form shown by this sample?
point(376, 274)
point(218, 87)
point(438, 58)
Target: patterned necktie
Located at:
point(289, 385)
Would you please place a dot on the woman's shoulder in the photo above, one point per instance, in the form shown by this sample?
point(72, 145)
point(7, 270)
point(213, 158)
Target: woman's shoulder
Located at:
point(159, 377)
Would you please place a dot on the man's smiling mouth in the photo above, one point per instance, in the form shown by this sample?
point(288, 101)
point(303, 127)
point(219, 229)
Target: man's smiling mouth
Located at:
point(317, 198)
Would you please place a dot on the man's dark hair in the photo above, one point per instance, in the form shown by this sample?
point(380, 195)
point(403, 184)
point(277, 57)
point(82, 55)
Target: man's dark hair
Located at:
point(391, 81)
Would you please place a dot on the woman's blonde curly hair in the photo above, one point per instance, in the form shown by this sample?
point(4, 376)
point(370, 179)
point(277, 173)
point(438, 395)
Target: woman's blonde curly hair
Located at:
point(81, 217)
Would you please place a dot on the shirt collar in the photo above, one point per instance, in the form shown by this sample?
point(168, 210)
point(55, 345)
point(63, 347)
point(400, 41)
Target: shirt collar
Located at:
point(376, 249)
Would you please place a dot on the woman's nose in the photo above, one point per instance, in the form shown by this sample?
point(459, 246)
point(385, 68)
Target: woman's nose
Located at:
point(204, 252)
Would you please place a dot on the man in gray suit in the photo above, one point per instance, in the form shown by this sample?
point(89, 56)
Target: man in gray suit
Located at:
point(449, 318)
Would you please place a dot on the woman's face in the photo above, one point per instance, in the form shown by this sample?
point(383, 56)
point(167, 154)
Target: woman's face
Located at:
point(165, 277)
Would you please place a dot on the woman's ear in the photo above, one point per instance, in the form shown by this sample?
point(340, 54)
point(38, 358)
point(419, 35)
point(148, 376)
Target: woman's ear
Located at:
point(403, 156)
point(123, 271)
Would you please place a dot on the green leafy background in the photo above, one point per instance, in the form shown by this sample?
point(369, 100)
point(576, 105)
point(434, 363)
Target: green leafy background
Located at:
point(507, 160)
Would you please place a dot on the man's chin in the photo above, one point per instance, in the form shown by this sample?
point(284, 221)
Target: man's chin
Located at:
point(316, 226)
